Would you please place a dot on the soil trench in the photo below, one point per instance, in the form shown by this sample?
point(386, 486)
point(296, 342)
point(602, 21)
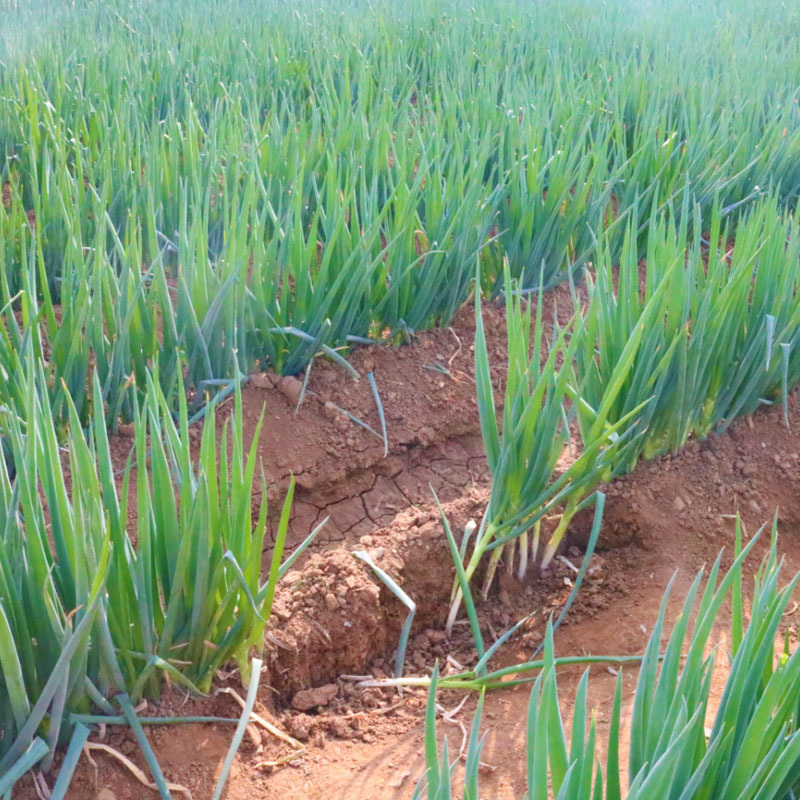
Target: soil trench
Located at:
point(334, 615)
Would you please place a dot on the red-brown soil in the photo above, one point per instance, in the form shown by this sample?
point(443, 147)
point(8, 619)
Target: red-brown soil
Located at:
point(6, 197)
point(332, 617)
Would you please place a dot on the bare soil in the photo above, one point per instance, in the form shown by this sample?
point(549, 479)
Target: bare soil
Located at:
point(333, 618)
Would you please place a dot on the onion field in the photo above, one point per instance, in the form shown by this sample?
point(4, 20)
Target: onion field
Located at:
point(196, 195)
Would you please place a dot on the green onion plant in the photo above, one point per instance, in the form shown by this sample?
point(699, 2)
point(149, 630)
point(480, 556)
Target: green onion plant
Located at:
point(750, 749)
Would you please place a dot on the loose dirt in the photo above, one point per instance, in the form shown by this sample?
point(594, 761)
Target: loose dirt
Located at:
point(333, 618)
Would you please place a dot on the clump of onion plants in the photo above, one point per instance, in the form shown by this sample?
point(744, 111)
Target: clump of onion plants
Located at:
point(523, 452)
point(750, 748)
point(87, 611)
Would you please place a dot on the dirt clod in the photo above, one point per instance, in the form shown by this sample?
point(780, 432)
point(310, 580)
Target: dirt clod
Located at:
point(307, 699)
point(301, 726)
